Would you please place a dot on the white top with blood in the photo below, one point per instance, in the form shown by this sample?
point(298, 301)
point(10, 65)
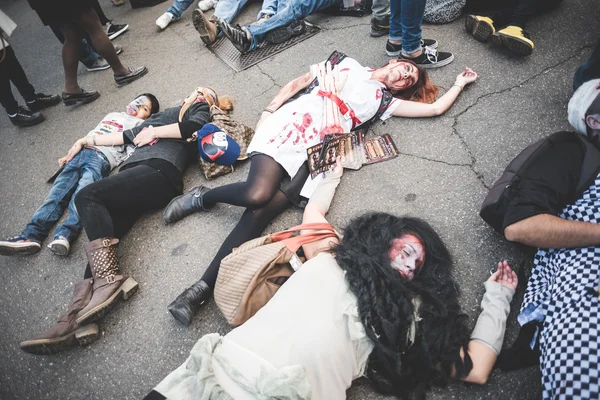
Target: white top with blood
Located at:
point(295, 126)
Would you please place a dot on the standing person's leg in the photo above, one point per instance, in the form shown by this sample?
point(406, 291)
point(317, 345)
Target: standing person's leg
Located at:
point(380, 20)
point(10, 69)
point(93, 168)
point(250, 226)
point(134, 191)
point(173, 13)
point(89, 22)
point(513, 37)
point(88, 56)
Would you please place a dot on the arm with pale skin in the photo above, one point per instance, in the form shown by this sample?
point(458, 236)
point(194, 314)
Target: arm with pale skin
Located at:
point(286, 93)
point(414, 109)
point(550, 231)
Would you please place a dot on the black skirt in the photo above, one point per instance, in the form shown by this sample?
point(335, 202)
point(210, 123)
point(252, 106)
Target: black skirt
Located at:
point(60, 11)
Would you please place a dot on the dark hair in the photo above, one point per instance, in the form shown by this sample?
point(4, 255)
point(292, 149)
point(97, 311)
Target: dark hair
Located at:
point(423, 91)
point(153, 101)
point(385, 304)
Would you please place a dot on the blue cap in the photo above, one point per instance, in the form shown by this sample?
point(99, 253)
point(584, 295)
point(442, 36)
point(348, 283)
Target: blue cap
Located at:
point(216, 146)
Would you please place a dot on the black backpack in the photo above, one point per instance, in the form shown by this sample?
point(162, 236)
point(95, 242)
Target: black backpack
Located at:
point(533, 158)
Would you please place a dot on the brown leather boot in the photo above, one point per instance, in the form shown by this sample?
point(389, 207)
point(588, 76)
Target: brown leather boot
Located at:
point(206, 26)
point(66, 333)
point(109, 285)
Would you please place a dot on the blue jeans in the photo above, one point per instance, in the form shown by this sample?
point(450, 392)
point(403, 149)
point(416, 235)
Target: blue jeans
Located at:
point(226, 9)
point(405, 23)
point(86, 167)
point(288, 11)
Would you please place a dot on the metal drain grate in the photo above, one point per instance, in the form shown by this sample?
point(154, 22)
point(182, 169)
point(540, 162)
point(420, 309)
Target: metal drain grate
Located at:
point(223, 49)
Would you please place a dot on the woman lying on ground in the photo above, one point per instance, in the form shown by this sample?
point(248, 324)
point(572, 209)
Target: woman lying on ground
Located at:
point(278, 175)
point(380, 302)
point(147, 180)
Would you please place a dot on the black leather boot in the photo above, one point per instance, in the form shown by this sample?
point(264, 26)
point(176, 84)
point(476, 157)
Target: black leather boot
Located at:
point(188, 303)
point(186, 204)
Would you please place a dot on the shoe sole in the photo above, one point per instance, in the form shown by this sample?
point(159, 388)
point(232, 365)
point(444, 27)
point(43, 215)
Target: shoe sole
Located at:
point(179, 317)
point(200, 22)
point(73, 102)
point(125, 291)
point(19, 249)
point(480, 30)
point(133, 78)
point(82, 336)
point(59, 249)
point(512, 44)
point(44, 106)
point(117, 33)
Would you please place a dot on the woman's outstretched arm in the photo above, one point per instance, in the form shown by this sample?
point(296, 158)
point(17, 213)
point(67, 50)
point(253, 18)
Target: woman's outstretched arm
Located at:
point(413, 109)
point(488, 335)
point(318, 206)
point(286, 93)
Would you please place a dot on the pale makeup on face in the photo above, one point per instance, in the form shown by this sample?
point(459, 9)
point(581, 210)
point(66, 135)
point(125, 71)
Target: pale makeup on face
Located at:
point(140, 107)
point(401, 75)
point(407, 255)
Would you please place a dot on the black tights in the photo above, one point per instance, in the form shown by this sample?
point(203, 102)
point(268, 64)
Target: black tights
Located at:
point(510, 12)
point(263, 200)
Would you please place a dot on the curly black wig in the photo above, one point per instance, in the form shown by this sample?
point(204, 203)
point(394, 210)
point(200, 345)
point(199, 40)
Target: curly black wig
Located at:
point(385, 303)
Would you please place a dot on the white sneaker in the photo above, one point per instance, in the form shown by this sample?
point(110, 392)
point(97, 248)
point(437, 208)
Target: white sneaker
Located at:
point(206, 5)
point(60, 246)
point(164, 20)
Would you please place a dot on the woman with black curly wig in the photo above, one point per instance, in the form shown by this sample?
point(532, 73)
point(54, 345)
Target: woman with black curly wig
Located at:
point(380, 302)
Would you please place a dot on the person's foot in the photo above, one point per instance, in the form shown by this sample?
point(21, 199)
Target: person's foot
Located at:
point(42, 101)
point(430, 58)
point(84, 97)
point(164, 20)
point(134, 73)
point(236, 35)
point(206, 5)
point(285, 33)
point(185, 204)
point(480, 27)
point(18, 245)
point(99, 65)
point(514, 39)
point(25, 117)
point(395, 49)
point(206, 27)
point(60, 246)
point(380, 27)
point(186, 305)
point(114, 30)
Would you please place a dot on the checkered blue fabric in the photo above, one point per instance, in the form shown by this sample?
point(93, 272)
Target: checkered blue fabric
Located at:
point(558, 290)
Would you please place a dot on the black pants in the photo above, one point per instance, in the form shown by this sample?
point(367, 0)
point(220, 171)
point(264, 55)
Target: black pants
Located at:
point(11, 71)
point(110, 207)
point(510, 12)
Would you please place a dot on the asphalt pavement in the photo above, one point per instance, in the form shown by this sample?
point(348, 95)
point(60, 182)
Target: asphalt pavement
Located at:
point(442, 174)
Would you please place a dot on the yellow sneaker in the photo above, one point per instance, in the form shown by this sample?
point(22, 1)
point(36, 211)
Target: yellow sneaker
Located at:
point(514, 39)
point(480, 27)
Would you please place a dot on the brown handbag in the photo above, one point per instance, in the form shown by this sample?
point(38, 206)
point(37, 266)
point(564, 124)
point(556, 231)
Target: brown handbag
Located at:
point(241, 133)
point(251, 275)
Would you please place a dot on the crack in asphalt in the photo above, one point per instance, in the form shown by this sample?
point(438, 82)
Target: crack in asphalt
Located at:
point(339, 28)
point(273, 82)
point(455, 131)
point(435, 160)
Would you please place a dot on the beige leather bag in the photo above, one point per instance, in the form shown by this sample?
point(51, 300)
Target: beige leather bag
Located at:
point(253, 272)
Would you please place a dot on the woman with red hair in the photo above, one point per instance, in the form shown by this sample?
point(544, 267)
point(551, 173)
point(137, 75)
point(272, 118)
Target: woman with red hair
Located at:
point(278, 175)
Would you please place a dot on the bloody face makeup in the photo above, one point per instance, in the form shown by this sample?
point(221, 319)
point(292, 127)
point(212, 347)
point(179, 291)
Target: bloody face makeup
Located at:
point(407, 255)
point(401, 75)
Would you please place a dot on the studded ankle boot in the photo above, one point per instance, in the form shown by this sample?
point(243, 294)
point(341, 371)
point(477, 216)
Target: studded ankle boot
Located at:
point(66, 332)
point(109, 284)
point(187, 304)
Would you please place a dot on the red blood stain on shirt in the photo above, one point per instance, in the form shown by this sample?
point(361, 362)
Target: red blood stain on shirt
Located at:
point(378, 94)
point(298, 131)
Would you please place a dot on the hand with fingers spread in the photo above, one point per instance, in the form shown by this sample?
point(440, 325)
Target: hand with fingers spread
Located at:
point(466, 77)
point(505, 276)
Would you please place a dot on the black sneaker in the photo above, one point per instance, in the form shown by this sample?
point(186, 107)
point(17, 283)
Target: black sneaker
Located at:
point(285, 33)
point(380, 27)
point(25, 117)
point(84, 97)
point(43, 101)
point(236, 35)
point(431, 58)
point(114, 30)
point(18, 245)
point(394, 50)
point(134, 74)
